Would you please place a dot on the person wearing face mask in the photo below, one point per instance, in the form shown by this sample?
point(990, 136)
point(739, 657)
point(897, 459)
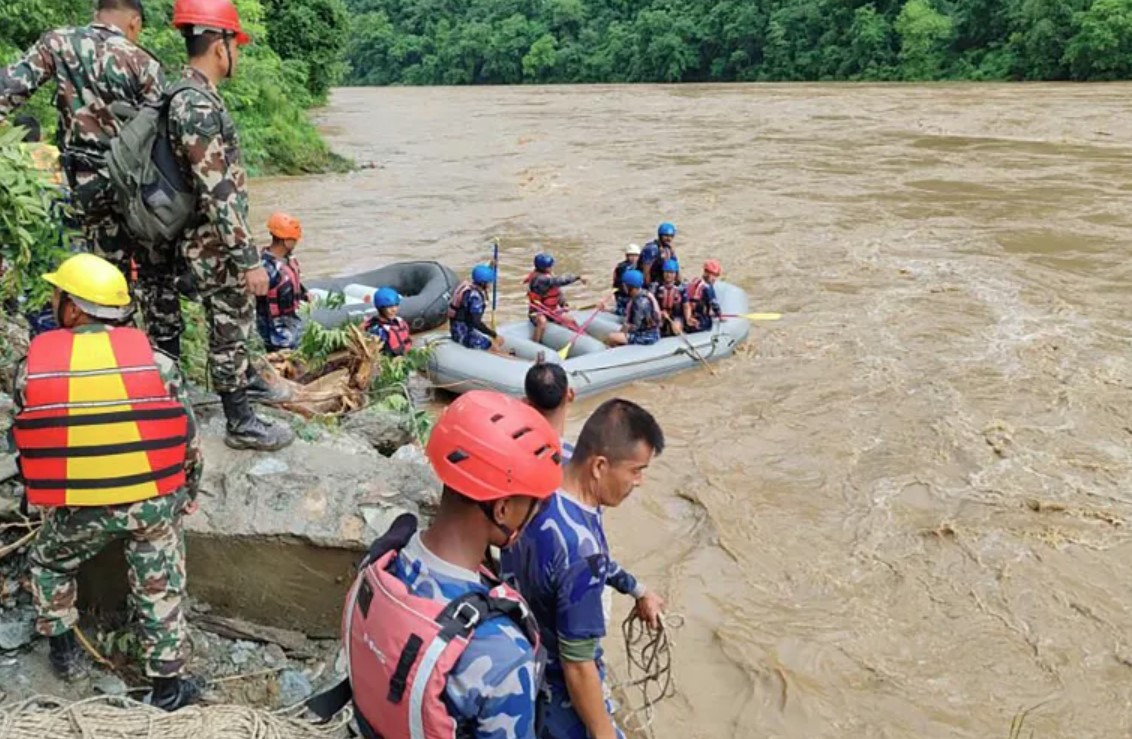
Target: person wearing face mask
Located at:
point(435, 645)
point(562, 564)
point(277, 313)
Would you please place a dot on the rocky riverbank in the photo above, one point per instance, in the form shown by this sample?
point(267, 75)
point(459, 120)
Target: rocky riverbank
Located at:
point(270, 555)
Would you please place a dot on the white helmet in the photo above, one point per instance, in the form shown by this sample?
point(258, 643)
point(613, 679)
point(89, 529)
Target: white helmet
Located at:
point(633, 249)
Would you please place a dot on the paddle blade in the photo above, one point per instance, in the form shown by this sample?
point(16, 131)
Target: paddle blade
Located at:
point(565, 350)
point(761, 316)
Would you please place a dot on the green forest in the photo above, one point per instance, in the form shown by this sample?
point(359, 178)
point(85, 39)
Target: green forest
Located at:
point(296, 57)
point(425, 42)
point(304, 47)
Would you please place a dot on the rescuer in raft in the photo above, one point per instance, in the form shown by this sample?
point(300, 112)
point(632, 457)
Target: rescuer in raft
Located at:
point(277, 313)
point(466, 309)
point(544, 293)
point(701, 305)
point(394, 332)
point(436, 645)
point(642, 319)
point(620, 292)
point(108, 450)
point(658, 251)
point(669, 296)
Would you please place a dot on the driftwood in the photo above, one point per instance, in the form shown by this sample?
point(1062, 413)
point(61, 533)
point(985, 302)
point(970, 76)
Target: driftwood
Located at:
point(292, 642)
point(338, 386)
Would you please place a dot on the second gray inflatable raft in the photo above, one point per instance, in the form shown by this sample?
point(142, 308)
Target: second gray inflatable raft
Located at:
point(591, 366)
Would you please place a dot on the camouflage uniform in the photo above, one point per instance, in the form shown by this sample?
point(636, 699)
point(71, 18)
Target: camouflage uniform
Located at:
point(155, 548)
point(219, 250)
point(93, 67)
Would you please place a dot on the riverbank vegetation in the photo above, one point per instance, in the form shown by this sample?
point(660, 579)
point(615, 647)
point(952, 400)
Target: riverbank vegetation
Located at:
point(422, 42)
point(290, 67)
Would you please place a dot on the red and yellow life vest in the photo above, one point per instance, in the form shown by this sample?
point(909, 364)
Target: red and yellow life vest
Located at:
point(398, 335)
point(551, 300)
point(98, 426)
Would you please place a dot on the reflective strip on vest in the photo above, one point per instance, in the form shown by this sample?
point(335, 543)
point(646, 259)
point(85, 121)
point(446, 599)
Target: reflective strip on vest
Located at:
point(98, 426)
point(420, 685)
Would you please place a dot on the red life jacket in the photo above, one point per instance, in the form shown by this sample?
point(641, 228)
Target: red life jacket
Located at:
point(669, 297)
point(400, 647)
point(551, 300)
point(398, 336)
point(456, 311)
point(695, 290)
point(283, 299)
point(98, 426)
point(652, 321)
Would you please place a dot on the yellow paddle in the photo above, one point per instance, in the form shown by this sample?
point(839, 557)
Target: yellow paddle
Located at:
point(754, 316)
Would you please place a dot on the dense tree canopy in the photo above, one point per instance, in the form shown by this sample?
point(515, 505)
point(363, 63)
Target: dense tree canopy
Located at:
point(271, 89)
point(513, 41)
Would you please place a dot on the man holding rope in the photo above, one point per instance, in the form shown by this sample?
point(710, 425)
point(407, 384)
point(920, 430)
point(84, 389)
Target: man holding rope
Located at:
point(561, 564)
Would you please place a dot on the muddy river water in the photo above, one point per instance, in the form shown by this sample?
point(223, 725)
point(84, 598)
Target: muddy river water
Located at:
point(901, 511)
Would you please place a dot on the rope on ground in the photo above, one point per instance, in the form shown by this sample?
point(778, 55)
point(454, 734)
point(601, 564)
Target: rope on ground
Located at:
point(18, 544)
point(649, 655)
point(115, 717)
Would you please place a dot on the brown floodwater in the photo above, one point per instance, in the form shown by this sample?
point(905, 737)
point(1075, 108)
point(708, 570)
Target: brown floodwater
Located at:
point(901, 511)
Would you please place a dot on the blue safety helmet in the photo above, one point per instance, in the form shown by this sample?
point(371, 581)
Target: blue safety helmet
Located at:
point(670, 265)
point(666, 229)
point(633, 278)
point(483, 274)
point(386, 297)
point(650, 253)
point(543, 261)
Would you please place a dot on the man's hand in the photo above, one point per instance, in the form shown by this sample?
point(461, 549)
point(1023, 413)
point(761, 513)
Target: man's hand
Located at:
point(497, 342)
point(258, 282)
point(649, 607)
point(693, 323)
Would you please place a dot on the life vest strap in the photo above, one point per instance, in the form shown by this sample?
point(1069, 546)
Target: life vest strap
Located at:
point(95, 372)
point(146, 445)
point(102, 483)
point(399, 681)
point(97, 403)
point(97, 419)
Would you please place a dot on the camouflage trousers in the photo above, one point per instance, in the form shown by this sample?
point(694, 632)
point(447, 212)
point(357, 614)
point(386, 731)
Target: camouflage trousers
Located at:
point(155, 561)
point(230, 313)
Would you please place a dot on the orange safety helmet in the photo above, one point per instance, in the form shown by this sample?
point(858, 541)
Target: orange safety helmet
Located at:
point(713, 267)
point(487, 446)
point(218, 15)
point(283, 226)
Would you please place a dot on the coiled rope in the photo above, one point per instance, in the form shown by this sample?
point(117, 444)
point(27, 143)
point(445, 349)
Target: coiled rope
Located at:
point(649, 671)
point(115, 717)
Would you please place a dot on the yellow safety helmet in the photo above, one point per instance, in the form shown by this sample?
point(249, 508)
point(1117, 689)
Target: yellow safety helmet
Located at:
point(97, 286)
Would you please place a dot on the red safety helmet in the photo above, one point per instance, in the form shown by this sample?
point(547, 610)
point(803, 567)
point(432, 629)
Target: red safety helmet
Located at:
point(219, 15)
point(488, 446)
point(713, 267)
point(283, 226)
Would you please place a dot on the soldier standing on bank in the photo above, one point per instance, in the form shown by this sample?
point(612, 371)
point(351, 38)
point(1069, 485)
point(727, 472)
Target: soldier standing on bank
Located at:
point(224, 263)
point(108, 449)
point(93, 67)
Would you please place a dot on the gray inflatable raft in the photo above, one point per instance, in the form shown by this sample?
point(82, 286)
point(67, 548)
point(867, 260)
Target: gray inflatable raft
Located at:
point(425, 287)
point(591, 366)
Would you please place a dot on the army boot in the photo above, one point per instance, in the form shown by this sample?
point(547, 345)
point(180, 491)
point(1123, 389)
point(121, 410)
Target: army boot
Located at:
point(246, 430)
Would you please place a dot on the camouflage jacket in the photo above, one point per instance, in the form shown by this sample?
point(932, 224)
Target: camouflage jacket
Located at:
point(93, 67)
point(206, 144)
point(174, 385)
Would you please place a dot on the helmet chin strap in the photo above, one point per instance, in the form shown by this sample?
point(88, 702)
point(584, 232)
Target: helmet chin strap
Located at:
point(228, 54)
point(511, 534)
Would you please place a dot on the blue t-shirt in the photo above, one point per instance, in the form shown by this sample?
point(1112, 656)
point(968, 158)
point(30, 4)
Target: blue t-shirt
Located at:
point(493, 685)
point(561, 565)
